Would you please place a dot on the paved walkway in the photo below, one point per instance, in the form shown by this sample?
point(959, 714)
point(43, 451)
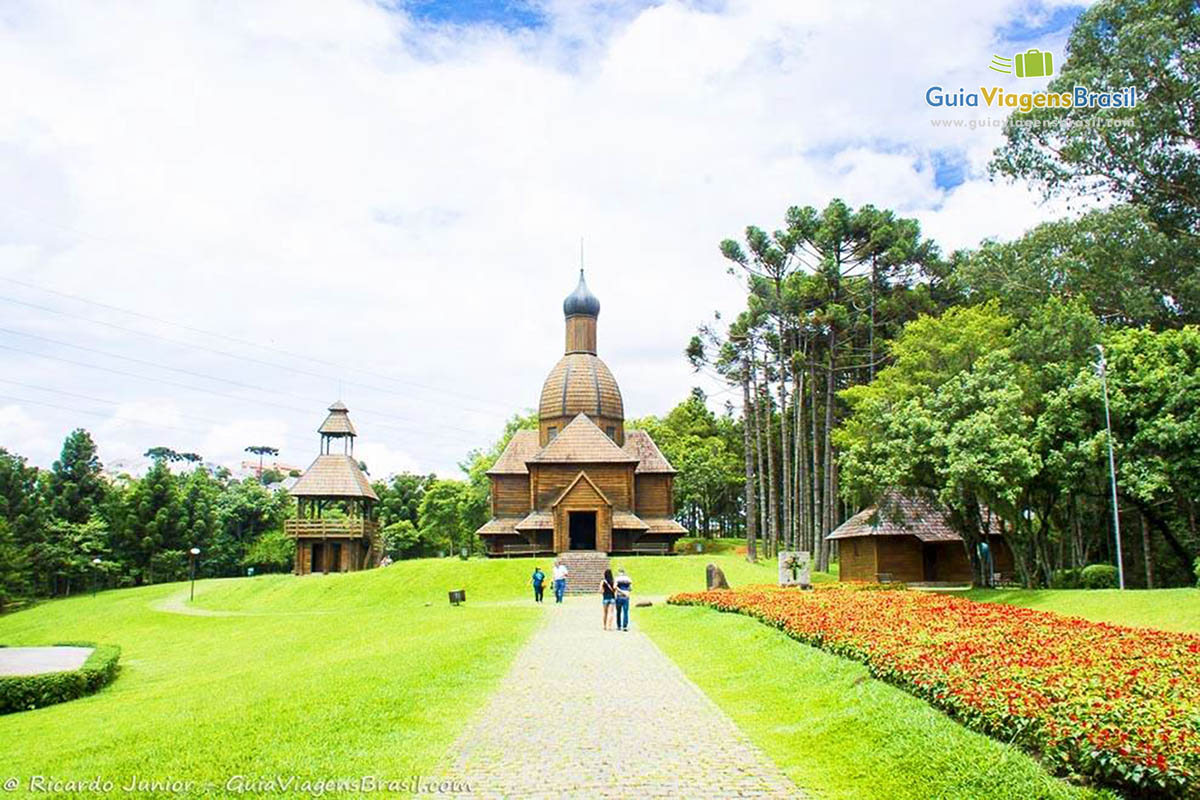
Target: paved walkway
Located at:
point(36, 660)
point(591, 713)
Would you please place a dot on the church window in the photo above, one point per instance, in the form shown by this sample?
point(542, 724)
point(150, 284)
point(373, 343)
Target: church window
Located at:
point(552, 431)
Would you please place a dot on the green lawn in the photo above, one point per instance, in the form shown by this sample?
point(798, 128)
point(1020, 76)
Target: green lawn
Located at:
point(379, 684)
point(1165, 609)
point(834, 730)
point(323, 676)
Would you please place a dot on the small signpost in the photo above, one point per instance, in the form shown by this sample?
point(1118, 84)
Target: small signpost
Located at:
point(458, 596)
point(795, 568)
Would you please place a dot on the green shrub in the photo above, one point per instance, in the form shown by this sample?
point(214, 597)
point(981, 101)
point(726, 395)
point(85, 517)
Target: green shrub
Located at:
point(1065, 579)
point(1098, 576)
point(271, 552)
point(25, 692)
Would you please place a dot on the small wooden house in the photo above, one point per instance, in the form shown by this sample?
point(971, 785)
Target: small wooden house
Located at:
point(581, 481)
point(909, 540)
point(335, 528)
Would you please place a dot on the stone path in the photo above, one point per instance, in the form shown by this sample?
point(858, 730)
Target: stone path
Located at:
point(591, 713)
point(36, 660)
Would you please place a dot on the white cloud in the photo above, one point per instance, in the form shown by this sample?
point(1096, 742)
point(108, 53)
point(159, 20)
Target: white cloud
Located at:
point(332, 180)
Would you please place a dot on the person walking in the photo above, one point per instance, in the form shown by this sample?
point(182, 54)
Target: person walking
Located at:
point(623, 591)
point(539, 580)
point(560, 580)
point(608, 595)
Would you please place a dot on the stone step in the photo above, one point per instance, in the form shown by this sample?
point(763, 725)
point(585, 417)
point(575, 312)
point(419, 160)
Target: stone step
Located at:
point(585, 570)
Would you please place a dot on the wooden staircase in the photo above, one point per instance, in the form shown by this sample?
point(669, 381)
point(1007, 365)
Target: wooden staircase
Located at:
point(585, 570)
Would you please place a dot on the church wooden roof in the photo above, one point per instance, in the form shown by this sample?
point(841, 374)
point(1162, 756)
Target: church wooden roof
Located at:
point(650, 459)
point(334, 476)
point(898, 515)
point(663, 525)
point(521, 447)
point(581, 442)
point(581, 382)
point(338, 422)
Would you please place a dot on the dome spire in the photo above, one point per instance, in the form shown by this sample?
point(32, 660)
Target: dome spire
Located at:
point(581, 301)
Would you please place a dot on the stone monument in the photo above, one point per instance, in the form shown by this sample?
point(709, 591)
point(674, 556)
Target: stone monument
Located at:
point(795, 568)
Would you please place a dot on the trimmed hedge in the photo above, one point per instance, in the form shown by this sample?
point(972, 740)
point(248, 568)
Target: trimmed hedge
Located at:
point(1098, 576)
point(26, 692)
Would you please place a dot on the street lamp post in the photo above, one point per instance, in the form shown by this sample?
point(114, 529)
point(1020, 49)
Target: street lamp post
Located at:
point(195, 551)
point(1102, 368)
point(95, 570)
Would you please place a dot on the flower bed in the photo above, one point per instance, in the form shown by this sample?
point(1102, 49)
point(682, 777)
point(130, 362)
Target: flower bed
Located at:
point(1118, 705)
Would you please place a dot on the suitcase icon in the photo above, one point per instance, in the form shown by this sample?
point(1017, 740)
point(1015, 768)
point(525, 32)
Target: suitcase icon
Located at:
point(1033, 63)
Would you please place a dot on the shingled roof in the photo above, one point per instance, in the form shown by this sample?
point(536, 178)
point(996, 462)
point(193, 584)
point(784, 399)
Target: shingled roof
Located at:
point(521, 447)
point(581, 442)
point(333, 476)
point(338, 422)
point(898, 515)
point(650, 459)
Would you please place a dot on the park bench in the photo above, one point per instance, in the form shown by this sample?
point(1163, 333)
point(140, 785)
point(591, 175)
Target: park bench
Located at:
point(884, 577)
point(520, 550)
point(656, 548)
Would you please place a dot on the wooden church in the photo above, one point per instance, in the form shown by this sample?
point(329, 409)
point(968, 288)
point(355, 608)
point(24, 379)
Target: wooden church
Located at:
point(581, 481)
point(335, 528)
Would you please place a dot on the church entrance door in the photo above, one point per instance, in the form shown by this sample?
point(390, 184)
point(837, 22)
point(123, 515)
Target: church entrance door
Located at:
point(582, 530)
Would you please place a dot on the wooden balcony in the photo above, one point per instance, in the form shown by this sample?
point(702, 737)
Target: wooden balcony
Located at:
point(331, 528)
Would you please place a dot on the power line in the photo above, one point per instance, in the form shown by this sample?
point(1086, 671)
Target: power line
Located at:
point(201, 375)
point(224, 353)
point(189, 387)
point(244, 342)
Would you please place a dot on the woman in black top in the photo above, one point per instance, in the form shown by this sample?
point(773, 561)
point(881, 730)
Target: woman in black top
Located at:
point(608, 596)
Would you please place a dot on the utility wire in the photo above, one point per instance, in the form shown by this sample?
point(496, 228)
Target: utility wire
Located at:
point(245, 342)
point(224, 353)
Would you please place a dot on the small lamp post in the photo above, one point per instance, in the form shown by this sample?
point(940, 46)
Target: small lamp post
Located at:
point(466, 552)
point(1102, 368)
point(95, 570)
point(195, 551)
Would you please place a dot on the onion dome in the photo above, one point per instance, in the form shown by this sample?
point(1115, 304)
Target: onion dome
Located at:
point(581, 383)
point(581, 301)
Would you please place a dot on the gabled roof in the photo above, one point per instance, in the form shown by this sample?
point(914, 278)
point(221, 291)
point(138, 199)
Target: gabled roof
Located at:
point(898, 515)
point(581, 442)
point(650, 459)
point(498, 525)
point(571, 486)
point(333, 476)
point(521, 447)
point(338, 422)
point(663, 525)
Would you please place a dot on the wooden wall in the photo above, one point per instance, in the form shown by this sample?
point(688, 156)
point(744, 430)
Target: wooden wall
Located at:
point(857, 559)
point(653, 495)
point(510, 495)
point(901, 556)
point(952, 563)
point(581, 334)
point(549, 480)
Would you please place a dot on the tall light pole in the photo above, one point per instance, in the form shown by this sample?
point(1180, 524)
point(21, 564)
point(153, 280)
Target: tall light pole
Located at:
point(95, 569)
point(195, 551)
point(1102, 368)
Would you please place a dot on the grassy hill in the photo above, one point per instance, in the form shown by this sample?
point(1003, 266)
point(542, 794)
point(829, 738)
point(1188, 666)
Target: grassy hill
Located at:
point(335, 675)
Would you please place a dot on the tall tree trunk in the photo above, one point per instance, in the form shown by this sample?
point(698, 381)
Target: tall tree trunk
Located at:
point(748, 450)
point(1147, 552)
point(801, 472)
point(815, 473)
point(763, 526)
point(829, 499)
point(785, 478)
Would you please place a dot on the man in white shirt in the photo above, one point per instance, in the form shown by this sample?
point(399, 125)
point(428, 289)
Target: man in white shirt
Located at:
point(560, 581)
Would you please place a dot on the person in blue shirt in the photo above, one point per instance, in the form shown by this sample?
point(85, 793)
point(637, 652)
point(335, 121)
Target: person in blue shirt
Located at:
point(539, 581)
